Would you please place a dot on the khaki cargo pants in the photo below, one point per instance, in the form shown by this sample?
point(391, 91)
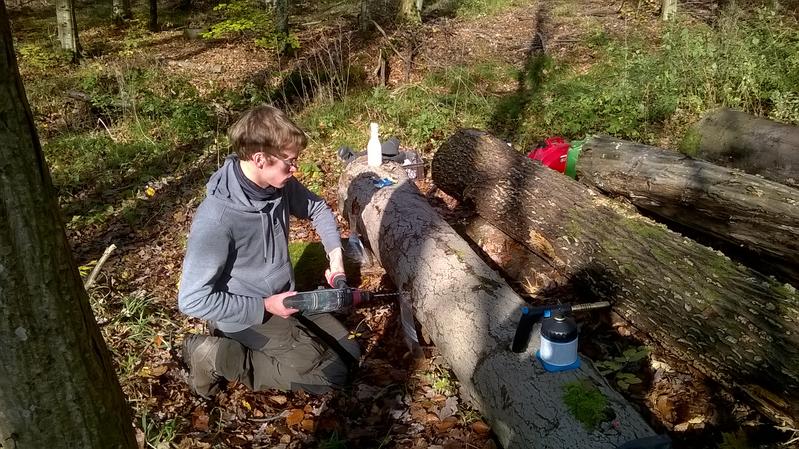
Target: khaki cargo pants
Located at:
point(283, 354)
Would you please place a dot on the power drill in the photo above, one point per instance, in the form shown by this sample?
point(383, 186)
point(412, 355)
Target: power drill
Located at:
point(332, 299)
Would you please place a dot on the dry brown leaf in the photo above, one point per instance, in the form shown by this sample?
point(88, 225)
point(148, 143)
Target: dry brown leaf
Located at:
point(446, 424)
point(295, 417)
point(308, 425)
point(481, 427)
point(278, 399)
point(199, 420)
point(431, 418)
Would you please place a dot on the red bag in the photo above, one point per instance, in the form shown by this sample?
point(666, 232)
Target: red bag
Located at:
point(553, 154)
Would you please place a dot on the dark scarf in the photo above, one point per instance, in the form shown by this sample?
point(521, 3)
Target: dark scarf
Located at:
point(253, 191)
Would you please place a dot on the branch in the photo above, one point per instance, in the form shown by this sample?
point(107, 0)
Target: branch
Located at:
point(99, 265)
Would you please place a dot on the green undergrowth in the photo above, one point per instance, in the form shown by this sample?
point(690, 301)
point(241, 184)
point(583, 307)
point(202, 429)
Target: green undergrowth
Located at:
point(309, 261)
point(421, 115)
point(141, 122)
point(747, 61)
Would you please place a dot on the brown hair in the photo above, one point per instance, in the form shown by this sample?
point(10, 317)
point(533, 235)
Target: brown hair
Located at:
point(267, 129)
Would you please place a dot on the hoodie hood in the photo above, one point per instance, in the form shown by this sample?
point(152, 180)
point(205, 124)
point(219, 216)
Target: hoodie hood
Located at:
point(225, 186)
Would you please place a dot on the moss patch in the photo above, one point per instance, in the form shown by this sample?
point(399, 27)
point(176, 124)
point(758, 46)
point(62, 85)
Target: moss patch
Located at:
point(586, 403)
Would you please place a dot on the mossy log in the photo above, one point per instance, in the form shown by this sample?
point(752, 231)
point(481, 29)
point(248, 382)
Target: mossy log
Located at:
point(753, 144)
point(732, 323)
point(471, 314)
point(758, 216)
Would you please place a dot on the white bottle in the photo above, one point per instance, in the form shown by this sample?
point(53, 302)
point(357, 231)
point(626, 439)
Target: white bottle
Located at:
point(374, 152)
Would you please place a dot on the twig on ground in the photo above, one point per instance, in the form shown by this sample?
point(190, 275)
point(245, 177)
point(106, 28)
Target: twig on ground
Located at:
point(99, 265)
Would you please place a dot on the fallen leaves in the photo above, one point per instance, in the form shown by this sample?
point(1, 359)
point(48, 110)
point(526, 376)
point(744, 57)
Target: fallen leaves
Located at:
point(295, 417)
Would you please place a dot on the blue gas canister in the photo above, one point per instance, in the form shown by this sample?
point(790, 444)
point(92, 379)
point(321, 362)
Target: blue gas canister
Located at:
point(558, 351)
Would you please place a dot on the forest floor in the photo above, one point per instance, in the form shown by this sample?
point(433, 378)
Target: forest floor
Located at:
point(392, 401)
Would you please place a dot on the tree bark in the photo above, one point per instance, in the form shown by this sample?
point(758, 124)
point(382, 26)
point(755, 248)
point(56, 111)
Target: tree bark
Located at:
point(364, 19)
point(753, 144)
point(67, 27)
point(471, 315)
point(751, 213)
point(407, 11)
point(121, 10)
point(735, 325)
point(282, 18)
point(58, 388)
point(152, 23)
point(668, 9)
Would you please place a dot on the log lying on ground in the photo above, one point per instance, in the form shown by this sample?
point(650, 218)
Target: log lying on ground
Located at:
point(471, 315)
point(753, 144)
point(735, 325)
point(747, 211)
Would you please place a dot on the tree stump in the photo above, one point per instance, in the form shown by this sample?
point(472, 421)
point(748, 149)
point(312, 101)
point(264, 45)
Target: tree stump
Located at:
point(753, 144)
point(733, 324)
point(471, 314)
point(746, 211)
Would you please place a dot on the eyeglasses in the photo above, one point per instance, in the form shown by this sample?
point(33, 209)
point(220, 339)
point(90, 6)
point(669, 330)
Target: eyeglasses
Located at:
point(289, 162)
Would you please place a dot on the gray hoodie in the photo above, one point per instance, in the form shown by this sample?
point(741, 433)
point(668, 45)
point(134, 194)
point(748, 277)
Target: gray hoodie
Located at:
point(237, 253)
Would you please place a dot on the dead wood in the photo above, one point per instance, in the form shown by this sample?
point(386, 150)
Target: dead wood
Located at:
point(471, 315)
point(735, 325)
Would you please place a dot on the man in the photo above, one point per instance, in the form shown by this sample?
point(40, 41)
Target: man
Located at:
point(237, 271)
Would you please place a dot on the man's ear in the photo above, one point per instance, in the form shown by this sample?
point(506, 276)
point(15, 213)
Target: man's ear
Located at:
point(259, 159)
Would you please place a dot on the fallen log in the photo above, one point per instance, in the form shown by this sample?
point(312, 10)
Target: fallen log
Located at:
point(733, 324)
point(753, 144)
point(471, 314)
point(756, 215)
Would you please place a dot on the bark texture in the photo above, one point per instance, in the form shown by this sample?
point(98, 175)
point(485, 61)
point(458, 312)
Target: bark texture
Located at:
point(747, 211)
point(67, 26)
point(58, 388)
point(753, 144)
point(152, 21)
point(471, 314)
point(735, 325)
point(121, 10)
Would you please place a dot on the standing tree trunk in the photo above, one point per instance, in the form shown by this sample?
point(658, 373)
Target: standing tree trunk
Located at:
point(737, 326)
point(121, 11)
point(757, 217)
point(57, 383)
point(668, 9)
point(364, 19)
point(471, 315)
point(152, 23)
point(67, 27)
point(753, 144)
point(282, 24)
point(407, 11)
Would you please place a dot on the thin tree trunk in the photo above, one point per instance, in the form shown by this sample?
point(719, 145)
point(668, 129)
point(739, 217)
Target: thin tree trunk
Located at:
point(753, 144)
point(471, 315)
point(67, 27)
point(668, 9)
point(364, 19)
point(282, 17)
point(755, 216)
point(58, 388)
point(152, 23)
point(732, 323)
point(121, 11)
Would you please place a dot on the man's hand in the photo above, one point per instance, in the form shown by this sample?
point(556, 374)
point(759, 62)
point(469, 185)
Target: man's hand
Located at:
point(335, 274)
point(274, 305)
